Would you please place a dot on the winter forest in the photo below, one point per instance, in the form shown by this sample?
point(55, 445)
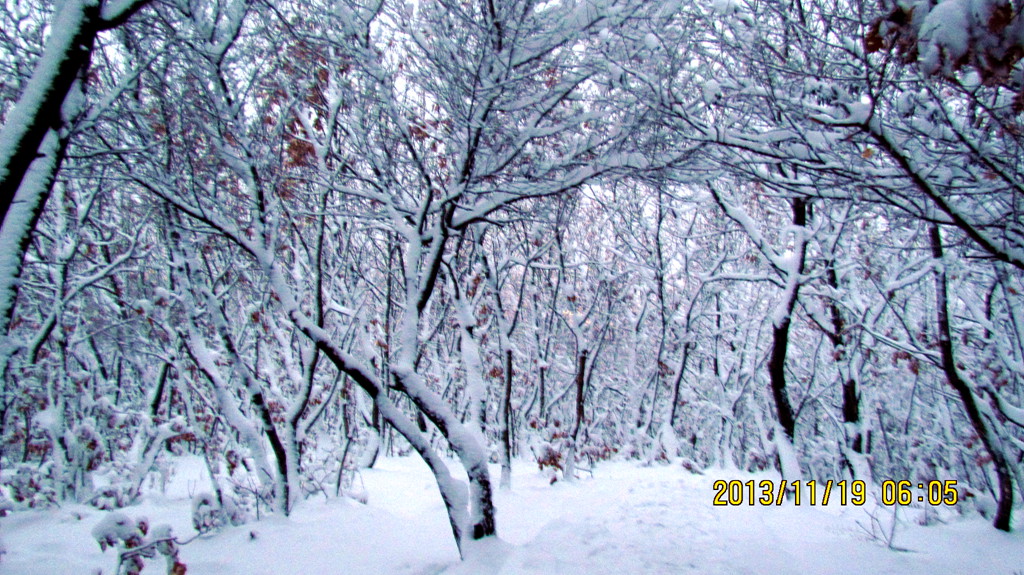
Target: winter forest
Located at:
point(280, 244)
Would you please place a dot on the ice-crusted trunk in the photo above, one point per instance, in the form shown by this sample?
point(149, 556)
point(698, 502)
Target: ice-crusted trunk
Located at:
point(724, 453)
point(53, 423)
point(989, 438)
point(686, 338)
point(284, 490)
point(781, 322)
point(303, 375)
point(453, 492)
point(661, 370)
point(225, 396)
point(852, 447)
point(286, 437)
point(472, 443)
point(41, 110)
point(20, 220)
point(542, 328)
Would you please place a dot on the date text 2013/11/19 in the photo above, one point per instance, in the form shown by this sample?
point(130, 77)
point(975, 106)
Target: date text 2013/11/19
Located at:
point(770, 492)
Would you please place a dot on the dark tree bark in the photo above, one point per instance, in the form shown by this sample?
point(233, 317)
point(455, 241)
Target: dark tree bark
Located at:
point(851, 396)
point(506, 423)
point(580, 379)
point(154, 407)
point(39, 109)
point(1004, 505)
point(581, 374)
point(780, 335)
point(677, 385)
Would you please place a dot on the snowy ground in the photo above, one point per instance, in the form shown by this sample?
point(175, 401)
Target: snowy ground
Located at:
point(626, 519)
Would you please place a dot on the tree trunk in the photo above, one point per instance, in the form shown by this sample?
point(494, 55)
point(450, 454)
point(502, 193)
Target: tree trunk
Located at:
point(780, 333)
point(38, 111)
point(570, 460)
point(34, 137)
point(506, 424)
point(786, 418)
point(677, 385)
point(543, 393)
point(989, 439)
point(854, 447)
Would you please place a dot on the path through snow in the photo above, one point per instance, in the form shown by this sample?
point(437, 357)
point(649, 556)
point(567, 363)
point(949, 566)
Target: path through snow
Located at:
point(625, 520)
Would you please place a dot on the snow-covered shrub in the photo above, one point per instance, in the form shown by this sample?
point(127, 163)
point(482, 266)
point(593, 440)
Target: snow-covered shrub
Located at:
point(129, 537)
point(86, 448)
point(691, 466)
point(943, 37)
point(247, 498)
point(120, 532)
point(756, 461)
point(207, 514)
point(551, 445)
point(977, 500)
point(110, 497)
point(124, 463)
point(550, 457)
point(32, 486)
point(358, 493)
point(598, 452)
point(165, 544)
point(118, 528)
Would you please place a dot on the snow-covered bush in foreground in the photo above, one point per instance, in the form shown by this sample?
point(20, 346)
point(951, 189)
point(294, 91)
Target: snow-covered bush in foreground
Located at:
point(129, 537)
